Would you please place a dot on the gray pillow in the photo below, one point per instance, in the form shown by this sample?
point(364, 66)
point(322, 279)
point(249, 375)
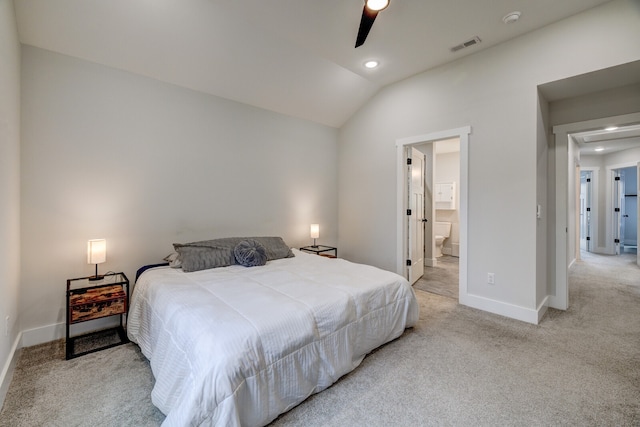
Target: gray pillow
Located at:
point(195, 258)
point(250, 253)
point(220, 252)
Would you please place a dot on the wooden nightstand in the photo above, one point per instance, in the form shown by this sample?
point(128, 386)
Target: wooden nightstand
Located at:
point(94, 299)
point(321, 250)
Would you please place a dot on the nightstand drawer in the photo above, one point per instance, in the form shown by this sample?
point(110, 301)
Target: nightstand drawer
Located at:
point(98, 302)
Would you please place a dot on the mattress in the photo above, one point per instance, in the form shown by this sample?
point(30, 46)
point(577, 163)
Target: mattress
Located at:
point(238, 346)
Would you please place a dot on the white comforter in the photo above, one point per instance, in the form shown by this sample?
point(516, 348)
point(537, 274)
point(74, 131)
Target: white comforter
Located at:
point(238, 346)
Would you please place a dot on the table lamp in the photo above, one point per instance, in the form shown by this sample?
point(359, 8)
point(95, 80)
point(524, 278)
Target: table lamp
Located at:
point(315, 233)
point(96, 254)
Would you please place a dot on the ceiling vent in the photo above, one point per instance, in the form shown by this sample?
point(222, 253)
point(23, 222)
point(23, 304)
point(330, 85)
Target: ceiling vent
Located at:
point(468, 43)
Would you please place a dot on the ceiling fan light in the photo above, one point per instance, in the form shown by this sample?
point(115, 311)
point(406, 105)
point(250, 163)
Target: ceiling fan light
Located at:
point(376, 5)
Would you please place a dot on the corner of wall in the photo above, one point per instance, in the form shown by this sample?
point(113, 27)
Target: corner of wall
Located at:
point(9, 367)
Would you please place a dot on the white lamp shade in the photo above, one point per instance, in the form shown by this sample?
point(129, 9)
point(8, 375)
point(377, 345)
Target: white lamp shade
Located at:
point(315, 231)
point(96, 251)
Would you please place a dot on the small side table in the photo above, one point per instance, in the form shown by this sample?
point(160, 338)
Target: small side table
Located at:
point(321, 250)
point(94, 299)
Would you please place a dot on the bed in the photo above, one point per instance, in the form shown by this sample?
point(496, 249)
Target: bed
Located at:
point(237, 346)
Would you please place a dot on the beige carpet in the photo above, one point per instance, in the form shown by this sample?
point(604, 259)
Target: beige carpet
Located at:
point(458, 366)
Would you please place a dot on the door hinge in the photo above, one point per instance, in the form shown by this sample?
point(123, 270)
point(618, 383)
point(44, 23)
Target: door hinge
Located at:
point(588, 238)
point(616, 240)
point(408, 161)
point(616, 210)
point(617, 178)
point(588, 179)
point(588, 209)
point(408, 263)
point(409, 212)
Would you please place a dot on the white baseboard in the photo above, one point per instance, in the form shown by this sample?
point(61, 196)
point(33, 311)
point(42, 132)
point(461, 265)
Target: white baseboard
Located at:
point(455, 249)
point(504, 309)
point(57, 331)
point(9, 367)
point(430, 262)
point(43, 334)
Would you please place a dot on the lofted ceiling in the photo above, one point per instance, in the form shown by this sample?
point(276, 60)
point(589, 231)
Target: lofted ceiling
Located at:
point(294, 57)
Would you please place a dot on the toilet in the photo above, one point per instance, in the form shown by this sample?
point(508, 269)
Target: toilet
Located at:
point(442, 231)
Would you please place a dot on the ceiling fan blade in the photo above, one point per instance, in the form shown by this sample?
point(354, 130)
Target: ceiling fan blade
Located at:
point(368, 16)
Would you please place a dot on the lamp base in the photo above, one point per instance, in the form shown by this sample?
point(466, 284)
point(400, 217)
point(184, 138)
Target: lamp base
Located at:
point(95, 278)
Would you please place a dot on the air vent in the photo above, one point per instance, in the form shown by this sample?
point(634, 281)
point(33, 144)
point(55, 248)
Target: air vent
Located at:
point(468, 43)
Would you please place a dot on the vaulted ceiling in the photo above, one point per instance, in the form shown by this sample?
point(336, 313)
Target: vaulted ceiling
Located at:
point(295, 57)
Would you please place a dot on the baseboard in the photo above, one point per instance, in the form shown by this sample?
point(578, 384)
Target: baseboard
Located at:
point(455, 249)
point(9, 367)
point(58, 331)
point(430, 262)
point(43, 334)
point(542, 308)
point(503, 309)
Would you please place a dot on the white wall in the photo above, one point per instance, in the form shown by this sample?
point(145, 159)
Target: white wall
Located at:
point(9, 189)
point(108, 154)
point(494, 92)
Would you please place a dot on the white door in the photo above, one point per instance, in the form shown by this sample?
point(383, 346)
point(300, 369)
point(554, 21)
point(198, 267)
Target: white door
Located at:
point(618, 194)
point(585, 210)
point(415, 214)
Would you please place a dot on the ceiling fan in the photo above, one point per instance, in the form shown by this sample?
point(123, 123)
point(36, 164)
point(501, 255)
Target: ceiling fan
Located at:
point(369, 13)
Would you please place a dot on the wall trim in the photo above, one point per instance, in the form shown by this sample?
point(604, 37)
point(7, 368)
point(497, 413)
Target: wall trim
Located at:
point(9, 367)
point(57, 331)
point(43, 334)
point(505, 309)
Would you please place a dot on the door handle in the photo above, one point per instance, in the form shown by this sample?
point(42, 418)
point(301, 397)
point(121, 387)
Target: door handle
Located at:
point(424, 220)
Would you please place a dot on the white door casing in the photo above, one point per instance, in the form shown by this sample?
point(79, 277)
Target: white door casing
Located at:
point(401, 201)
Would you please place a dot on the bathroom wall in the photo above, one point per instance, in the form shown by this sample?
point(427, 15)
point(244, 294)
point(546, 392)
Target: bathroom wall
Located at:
point(448, 170)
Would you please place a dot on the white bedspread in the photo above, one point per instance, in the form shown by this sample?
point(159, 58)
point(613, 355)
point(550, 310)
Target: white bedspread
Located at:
point(238, 346)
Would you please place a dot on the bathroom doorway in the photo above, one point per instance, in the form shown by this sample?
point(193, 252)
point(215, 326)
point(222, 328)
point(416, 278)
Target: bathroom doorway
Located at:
point(456, 276)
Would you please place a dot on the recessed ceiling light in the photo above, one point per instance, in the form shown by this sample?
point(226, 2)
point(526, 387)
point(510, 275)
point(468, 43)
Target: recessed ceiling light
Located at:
point(610, 128)
point(371, 64)
point(599, 149)
point(511, 17)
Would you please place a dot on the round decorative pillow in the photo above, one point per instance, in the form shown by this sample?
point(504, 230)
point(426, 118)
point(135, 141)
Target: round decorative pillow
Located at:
point(250, 253)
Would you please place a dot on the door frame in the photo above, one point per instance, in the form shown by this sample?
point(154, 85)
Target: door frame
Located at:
point(563, 231)
point(462, 134)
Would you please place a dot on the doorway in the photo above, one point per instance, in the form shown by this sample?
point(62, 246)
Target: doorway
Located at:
point(440, 252)
point(404, 263)
point(585, 209)
point(566, 155)
point(625, 199)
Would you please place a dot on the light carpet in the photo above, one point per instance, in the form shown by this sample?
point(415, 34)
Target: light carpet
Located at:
point(458, 366)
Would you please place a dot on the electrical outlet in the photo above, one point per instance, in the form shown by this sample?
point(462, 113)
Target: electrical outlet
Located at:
point(491, 278)
point(6, 326)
